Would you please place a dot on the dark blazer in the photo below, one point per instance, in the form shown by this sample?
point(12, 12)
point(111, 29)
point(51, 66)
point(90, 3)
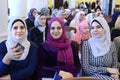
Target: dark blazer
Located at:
point(29, 24)
point(36, 36)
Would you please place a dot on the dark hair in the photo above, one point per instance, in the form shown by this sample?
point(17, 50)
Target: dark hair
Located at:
point(97, 22)
point(98, 7)
point(41, 14)
point(17, 21)
point(97, 1)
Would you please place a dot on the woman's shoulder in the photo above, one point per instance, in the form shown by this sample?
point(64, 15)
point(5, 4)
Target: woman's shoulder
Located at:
point(34, 29)
point(44, 46)
point(2, 44)
point(33, 45)
point(27, 19)
point(33, 49)
point(116, 39)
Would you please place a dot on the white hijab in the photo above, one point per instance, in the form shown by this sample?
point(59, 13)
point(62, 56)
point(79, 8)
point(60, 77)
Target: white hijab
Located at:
point(39, 26)
point(12, 41)
point(37, 23)
point(101, 46)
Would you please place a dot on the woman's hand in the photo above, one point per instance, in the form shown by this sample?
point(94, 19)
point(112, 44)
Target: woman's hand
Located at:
point(65, 74)
point(6, 77)
point(113, 71)
point(12, 55)
point(115, 76)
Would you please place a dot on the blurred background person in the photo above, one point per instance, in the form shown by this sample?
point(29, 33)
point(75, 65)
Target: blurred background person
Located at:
point(79, 17)
point(31, 18)
point(82, 34)
point(39, 33)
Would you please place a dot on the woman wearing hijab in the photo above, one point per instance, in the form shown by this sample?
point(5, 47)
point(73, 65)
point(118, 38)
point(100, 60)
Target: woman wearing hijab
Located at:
point(82, 33)
point(79, 17)
point(99, 55)
point(17, 54)
point(54, 13)
point(31, 18)
point(39, 33)
point(57, 53)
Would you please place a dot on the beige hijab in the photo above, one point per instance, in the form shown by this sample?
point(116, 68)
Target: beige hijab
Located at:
point(117, 23)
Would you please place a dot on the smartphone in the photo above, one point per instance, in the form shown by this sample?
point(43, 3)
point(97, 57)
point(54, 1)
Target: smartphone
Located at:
point(21, 48)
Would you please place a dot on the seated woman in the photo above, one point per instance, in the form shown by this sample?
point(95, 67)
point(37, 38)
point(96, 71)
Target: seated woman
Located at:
point(17, 55)
point(83, 33)
point(38, 34)
point(99, 55)
point(57, 53)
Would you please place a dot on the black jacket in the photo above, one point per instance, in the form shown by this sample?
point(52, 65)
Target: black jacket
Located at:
point(36, 36)
point(29, 24)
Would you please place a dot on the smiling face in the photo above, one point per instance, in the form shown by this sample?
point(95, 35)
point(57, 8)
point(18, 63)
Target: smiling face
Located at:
point(97, 30)
point(18, 30)
point(56, 30)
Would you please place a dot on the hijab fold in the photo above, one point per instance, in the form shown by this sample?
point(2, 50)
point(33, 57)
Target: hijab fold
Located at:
point(62, 44)
point(30, 15)
point(100, 46)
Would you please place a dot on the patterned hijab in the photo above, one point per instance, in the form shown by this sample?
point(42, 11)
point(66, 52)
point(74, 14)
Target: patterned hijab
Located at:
point(12, 41)
point(30, 14)
point(80, 35)
point(100, 46)
point(62, 44)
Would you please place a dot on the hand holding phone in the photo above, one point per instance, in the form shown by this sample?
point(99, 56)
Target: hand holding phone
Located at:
point(21, 47)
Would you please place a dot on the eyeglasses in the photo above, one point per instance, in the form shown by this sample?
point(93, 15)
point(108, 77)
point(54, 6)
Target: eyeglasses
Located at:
point(58, 28)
